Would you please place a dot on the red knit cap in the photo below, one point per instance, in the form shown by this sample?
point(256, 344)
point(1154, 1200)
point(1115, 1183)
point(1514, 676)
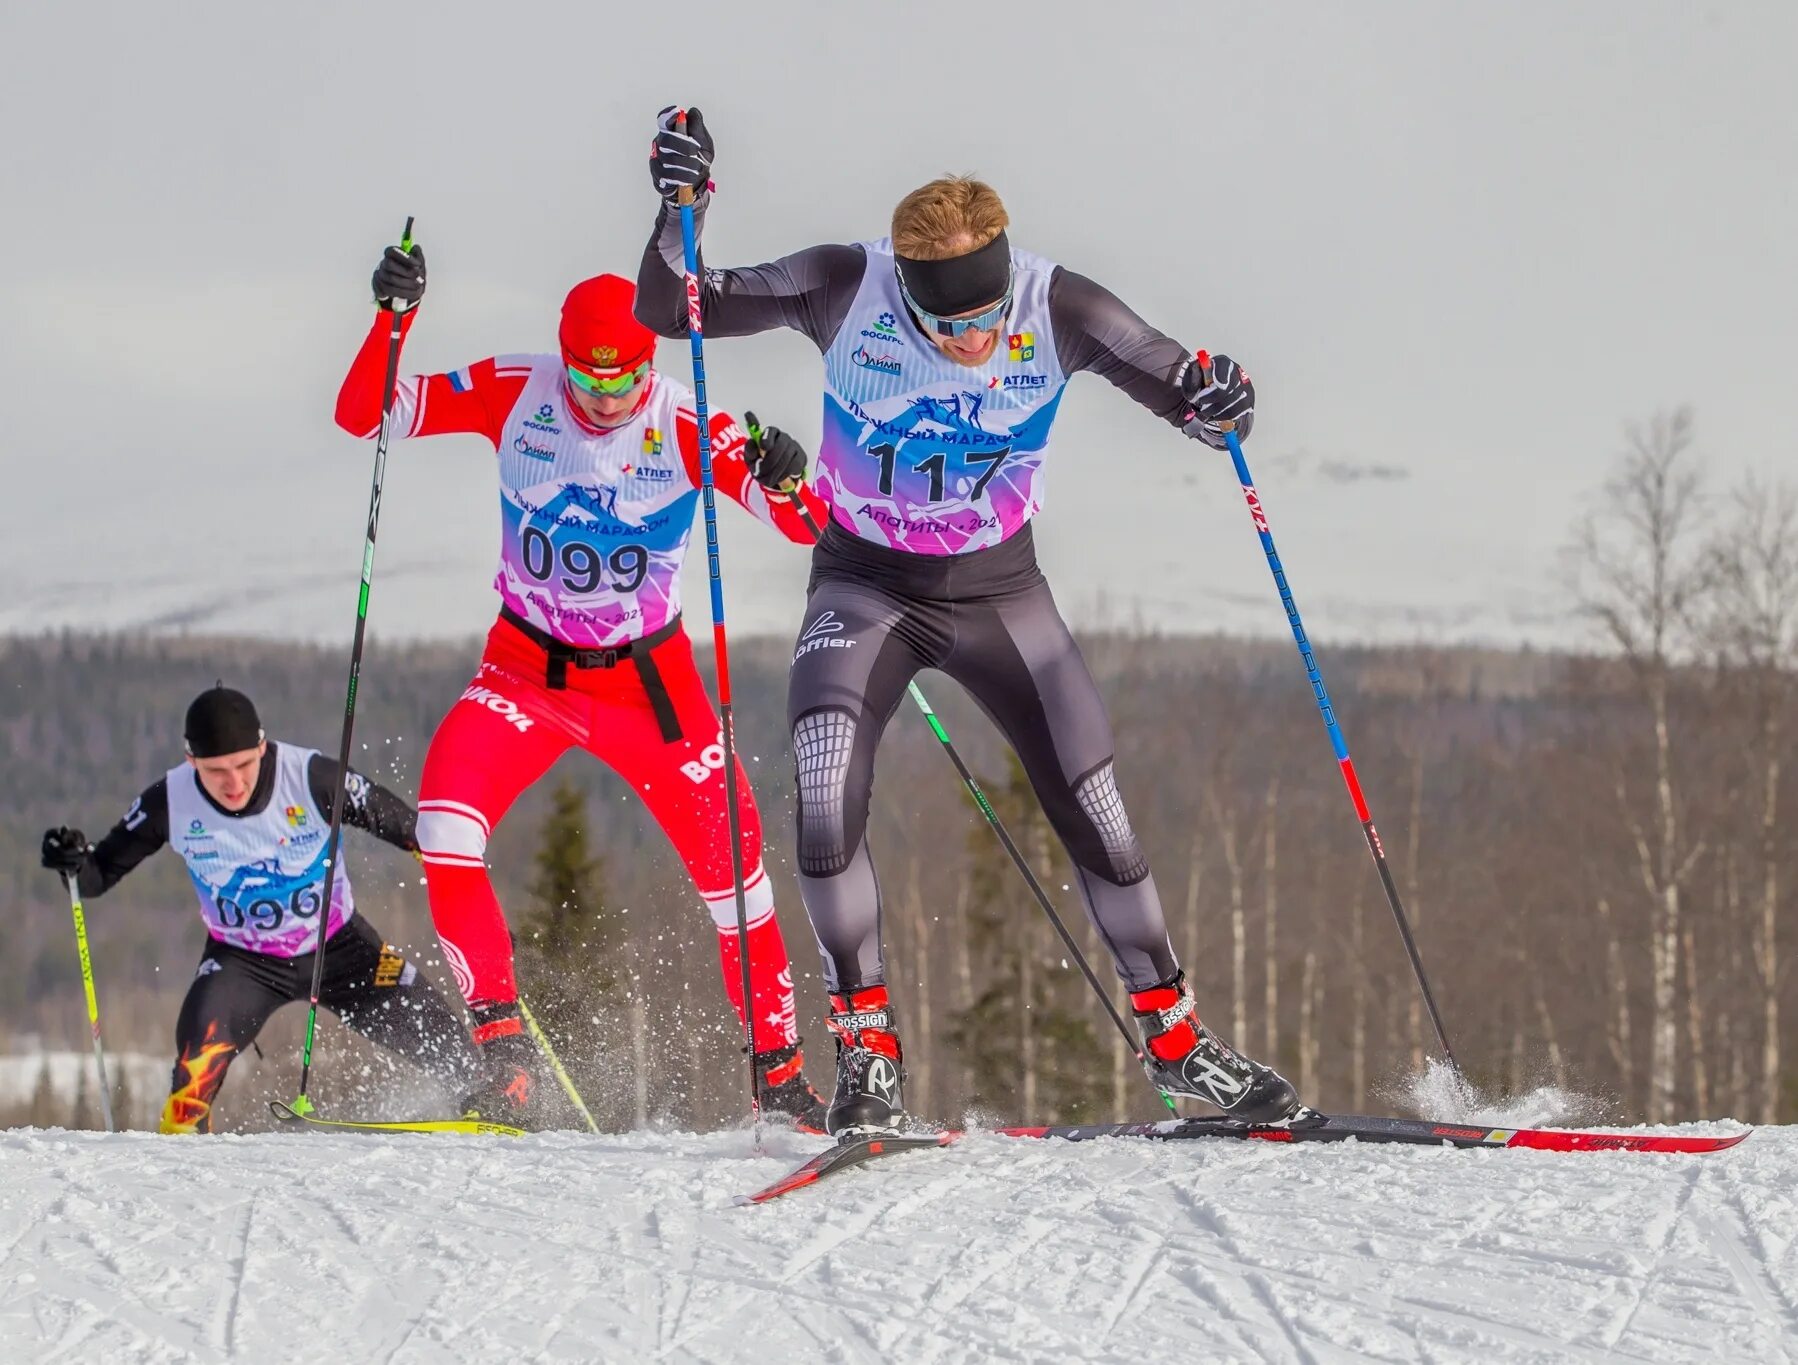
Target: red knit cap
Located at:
point(599, 332)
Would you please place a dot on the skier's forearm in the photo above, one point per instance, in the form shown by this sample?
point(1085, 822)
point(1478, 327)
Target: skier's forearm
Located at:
point(359, 400)
point(1095, 331)
point(367, 805)
point(661, 276)
point(784, 510)
point(143, 829)
point(809, 291)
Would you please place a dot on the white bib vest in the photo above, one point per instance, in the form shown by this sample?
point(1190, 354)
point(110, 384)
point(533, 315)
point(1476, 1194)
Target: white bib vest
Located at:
point(258, 876)
point(593, 526)
point(923, 454)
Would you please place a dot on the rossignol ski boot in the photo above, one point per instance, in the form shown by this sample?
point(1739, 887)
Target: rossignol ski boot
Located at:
point(1184, 1057)
point(870, 1070)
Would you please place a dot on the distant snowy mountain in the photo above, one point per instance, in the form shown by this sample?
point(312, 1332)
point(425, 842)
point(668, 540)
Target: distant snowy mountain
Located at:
point(303, 1247)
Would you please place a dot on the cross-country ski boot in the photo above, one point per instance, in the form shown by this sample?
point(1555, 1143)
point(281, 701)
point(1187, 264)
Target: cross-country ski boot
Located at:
point(781, 1088)
point(870, 1070)
point(1184, 1057)
point(516, 1091)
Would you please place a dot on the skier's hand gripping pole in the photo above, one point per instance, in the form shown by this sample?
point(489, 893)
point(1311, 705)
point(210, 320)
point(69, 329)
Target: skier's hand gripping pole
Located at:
point(1000, 832)
point(302, 1104)
point(1258, 514)
point(727, 735)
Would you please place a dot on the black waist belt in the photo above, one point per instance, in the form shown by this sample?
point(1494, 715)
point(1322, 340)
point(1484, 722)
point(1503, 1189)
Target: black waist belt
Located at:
point(563, 656)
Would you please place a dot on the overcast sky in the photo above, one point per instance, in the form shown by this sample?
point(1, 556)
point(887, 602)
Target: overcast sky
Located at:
point(1457, 246)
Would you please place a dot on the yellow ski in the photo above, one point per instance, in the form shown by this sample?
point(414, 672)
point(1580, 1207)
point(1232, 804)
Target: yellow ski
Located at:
point(287, 1113)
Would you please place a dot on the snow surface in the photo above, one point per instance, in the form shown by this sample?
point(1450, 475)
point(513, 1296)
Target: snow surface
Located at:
point(301, 1246)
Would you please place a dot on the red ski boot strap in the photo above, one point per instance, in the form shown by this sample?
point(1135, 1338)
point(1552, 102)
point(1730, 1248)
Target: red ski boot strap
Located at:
point(864, 1019)
point(783, 1072)
point(1176, 1012)
point(498, 1028)
point(1155, 999)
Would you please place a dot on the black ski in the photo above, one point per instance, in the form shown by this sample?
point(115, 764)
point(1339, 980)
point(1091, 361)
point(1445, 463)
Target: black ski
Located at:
point(1321, 1128)
point(841, 1157)
point(1371, 1128)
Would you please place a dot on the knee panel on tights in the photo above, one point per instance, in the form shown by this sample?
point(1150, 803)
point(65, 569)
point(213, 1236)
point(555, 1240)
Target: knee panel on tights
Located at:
point(1107, 845)
point(452, 834)
point(823, 754)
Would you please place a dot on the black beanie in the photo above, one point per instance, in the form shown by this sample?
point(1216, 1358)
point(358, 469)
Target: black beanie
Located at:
point(221, 721)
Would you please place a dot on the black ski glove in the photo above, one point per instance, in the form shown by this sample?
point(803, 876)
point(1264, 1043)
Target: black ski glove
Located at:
point(680, 161)
point(775, 459)
point(65, 850)
point(1222, 399)
point(400, 278)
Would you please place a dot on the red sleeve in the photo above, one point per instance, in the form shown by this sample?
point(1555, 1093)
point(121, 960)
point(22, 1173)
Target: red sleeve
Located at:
point(731, 476)
point(475, 399)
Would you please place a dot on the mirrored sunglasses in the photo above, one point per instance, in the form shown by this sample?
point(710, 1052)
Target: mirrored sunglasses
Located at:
point(608, 385)
point(987, 321)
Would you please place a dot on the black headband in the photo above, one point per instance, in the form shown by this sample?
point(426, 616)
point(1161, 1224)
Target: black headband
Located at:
point(961, 283)
point(221, 721)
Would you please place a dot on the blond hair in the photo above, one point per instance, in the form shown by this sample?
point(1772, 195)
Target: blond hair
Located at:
point(950, 216)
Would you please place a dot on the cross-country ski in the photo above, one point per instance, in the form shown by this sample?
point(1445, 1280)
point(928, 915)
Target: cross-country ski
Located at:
point(1334, 1128)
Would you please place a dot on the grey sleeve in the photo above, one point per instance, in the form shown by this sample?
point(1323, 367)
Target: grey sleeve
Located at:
point(1096, 331)
point(809, 291)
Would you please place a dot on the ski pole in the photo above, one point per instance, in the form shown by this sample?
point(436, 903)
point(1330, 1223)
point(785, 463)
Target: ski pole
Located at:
point(1337, 742)
point(302, 1104)
point(998, 827)
point(93, 1001)
point(1036, 887)
point(555, 1063)
point(726, 731)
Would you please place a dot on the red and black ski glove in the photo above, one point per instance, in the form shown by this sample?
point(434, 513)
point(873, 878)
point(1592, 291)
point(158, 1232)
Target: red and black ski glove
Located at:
point(1220, 398)
point(680, 160)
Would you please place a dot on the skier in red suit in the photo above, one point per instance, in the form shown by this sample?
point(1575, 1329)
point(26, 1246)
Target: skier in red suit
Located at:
point(598, 465)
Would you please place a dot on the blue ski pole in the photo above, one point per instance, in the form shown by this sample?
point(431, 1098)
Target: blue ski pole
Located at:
point(696, 338)
point(1337, 742)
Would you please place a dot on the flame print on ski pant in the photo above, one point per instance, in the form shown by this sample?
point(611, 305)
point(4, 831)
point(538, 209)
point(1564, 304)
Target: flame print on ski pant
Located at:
point(198, 1076)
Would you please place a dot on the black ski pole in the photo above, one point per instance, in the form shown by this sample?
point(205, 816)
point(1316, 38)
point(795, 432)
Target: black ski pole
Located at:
point(998, 827)
point(302, 1104)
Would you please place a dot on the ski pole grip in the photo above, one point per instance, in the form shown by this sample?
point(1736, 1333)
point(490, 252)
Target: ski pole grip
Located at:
point(401, 305)
point(1203, 360)
point(684, 195)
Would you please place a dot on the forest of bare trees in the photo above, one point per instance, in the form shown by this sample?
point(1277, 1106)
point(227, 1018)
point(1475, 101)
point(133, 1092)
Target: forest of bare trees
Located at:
point(1597, 851)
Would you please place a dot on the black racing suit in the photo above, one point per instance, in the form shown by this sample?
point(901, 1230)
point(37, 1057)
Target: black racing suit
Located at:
point(368, 984)
point(876, 615)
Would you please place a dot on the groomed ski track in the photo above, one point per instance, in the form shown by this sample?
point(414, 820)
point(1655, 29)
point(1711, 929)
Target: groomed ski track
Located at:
point(347, 1248)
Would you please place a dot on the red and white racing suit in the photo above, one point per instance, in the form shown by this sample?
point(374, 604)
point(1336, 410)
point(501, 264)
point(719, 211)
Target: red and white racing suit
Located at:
point(589, 648)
